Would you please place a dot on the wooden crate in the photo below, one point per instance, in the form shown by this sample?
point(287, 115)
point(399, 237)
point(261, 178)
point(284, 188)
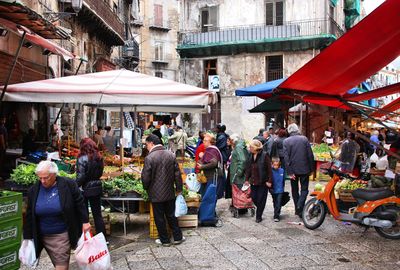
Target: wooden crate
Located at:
point(195, 204)
point(188, 221)
point(345, 196)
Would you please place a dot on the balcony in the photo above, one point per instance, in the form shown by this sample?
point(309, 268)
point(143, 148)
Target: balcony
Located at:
point(292, 36)
point(99, 18)
point(161, 25)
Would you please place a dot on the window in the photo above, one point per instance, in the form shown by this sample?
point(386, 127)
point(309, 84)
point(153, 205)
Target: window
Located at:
point(274, 13)
point(135, 9)
point(159, 51)
point(158, 15)
point(210, 68)
point(158, 74)
point(274, 67)
point(209, 19)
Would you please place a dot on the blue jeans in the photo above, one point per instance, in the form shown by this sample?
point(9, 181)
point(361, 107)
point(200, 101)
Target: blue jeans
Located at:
point(299, 199)
point(277, 198)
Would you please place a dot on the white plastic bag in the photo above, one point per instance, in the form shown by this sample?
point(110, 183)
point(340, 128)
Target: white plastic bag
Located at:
point(180, 206)
point(93, 253)
point(27, 254)
point(382, 163)
point(374, 158)
point(192, 183)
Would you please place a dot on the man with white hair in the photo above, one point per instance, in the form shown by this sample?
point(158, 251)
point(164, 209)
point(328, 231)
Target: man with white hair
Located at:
point(299, 161)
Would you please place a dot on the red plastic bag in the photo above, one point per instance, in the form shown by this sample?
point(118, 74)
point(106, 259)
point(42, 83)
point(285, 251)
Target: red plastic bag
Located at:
point(241, 199)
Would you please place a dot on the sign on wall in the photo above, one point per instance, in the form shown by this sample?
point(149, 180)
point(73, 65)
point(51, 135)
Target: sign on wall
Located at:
point(213, 83)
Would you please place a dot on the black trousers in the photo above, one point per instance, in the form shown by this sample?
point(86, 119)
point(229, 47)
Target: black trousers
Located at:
point(299, 199)
point(259, 196)
point(95, 206)
point(277, 198)
point(162, 211)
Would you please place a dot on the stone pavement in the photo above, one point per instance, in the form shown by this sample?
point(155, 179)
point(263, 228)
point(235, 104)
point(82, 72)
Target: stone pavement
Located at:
point(243, 244)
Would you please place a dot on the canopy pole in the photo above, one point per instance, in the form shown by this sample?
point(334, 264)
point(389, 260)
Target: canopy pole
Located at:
point(301, 118)
point(121, 135)
point(11, 70)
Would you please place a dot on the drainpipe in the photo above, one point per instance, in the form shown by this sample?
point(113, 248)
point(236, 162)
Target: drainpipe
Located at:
point(11, 70)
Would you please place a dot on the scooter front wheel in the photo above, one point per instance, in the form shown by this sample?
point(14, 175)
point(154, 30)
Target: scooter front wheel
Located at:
point(314, 213)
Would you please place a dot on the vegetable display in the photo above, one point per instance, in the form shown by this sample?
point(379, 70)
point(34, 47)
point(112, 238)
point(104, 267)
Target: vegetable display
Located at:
point(68, 175)
point(124, 184)
point(24, 174)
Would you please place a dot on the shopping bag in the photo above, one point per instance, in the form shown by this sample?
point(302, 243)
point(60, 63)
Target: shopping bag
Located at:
point(192, 183)
point(27, 254)
point(180, 206)
point(208, 204)
point(241, 199)
point(93, 253)
point(374, 158)
point(285, 198)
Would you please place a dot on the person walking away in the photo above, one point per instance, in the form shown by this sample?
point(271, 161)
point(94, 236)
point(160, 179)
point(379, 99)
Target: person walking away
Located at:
point(179, 139)
point(277, 147)
point(268, 142)
point(278, 184)
point(348, 154)
point(89, 169)
point(110, 142)
point(162, 179)
point(259, 175)
point(55, 216)
point(299, 161)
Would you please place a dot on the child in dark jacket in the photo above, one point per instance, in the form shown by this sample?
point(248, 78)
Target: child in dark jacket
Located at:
point(278, 184)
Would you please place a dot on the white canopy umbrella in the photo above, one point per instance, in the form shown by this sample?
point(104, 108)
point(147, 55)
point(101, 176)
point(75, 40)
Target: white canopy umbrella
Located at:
point(113, 89)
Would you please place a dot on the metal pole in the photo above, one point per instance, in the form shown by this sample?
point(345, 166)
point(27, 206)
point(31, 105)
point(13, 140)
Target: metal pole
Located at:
point(11, 70)
point(121, 135)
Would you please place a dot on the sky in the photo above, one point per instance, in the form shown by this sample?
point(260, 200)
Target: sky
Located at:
point(370, 5)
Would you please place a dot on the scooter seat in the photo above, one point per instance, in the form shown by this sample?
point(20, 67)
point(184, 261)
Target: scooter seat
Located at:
point(372, 194)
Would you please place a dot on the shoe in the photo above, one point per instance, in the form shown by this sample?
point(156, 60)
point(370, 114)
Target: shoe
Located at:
point(219, 223)
point(178, 242)
point(258, 220)
point(158, 242)
point(276, 219)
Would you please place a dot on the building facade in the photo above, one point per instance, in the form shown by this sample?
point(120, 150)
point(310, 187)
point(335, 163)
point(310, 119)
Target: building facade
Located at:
point(251, 42)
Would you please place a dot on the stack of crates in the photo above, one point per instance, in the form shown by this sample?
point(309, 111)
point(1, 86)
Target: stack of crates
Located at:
point(10, 229)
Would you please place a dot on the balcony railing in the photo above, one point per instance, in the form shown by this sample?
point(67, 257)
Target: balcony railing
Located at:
point(104, 11)
point(231, 35)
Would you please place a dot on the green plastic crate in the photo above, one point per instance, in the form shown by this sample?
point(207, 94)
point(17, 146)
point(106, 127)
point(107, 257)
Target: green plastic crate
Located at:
point(10, 232)
point(10, 205)
point(9, 257)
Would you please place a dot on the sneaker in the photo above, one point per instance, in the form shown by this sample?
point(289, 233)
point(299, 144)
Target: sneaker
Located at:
point(158, 242)
point(276, 219)
point(219, 223)
point(258, 220)
point(177, 242)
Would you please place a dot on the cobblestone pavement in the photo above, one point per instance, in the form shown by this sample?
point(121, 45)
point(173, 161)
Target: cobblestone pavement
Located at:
point(243, 244)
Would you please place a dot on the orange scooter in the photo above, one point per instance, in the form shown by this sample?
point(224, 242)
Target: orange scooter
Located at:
point(375, 207)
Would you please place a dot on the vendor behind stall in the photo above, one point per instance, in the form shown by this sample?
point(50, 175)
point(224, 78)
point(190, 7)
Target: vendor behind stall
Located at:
point(28, 143)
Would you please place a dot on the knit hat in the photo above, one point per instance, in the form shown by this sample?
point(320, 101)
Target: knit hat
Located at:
point(292, 128)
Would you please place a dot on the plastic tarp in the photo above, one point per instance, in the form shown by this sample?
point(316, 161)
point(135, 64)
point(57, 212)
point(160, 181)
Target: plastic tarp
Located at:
point(391, 107)
point(112, 89)
point(273, 104)
point(358, 54)
point(380, 92)
point(259, 89)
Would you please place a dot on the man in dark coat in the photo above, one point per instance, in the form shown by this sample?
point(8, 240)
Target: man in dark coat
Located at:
point(162, 179)
point(299, 161)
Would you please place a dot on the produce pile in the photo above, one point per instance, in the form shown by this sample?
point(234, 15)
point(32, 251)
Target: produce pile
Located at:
point(347, 184)
point(124, 184)
point(24, 174)
point(322, 152)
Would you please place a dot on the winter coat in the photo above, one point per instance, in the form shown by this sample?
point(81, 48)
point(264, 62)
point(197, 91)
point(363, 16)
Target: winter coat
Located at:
point(179, 138)
point(73, 208)
point(222, 145)
point(88, 173)
point(161, 175)
point(262, 165)
point(237, 168)
point(278, 180)
point(298, 155)
point(277, 147)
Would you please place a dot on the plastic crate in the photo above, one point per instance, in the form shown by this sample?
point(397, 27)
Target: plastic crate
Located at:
point(9, 257)
point(62, 166)
point(10, 232)
point(153, 227)
point(10, 205)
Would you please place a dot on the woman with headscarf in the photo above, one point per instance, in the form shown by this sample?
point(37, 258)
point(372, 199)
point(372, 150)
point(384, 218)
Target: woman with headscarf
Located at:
point(259, 175)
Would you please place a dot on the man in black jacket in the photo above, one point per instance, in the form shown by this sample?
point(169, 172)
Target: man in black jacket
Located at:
point(299, 161)
point(162, 179)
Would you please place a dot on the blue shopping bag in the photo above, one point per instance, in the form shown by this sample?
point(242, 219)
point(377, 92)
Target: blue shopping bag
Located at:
point(208, 204)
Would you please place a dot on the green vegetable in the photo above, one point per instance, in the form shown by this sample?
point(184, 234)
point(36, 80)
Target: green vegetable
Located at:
point(68, 175)
point(124, 184)
point(24, 174)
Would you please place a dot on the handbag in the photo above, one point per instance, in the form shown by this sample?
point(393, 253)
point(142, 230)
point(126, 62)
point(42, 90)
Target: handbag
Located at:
point(201, 177)
point(208, 203)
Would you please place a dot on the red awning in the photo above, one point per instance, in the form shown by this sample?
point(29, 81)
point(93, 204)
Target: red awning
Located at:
point(358, 54)
point(391, 107)
point(36, 39)
point(381, 92)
